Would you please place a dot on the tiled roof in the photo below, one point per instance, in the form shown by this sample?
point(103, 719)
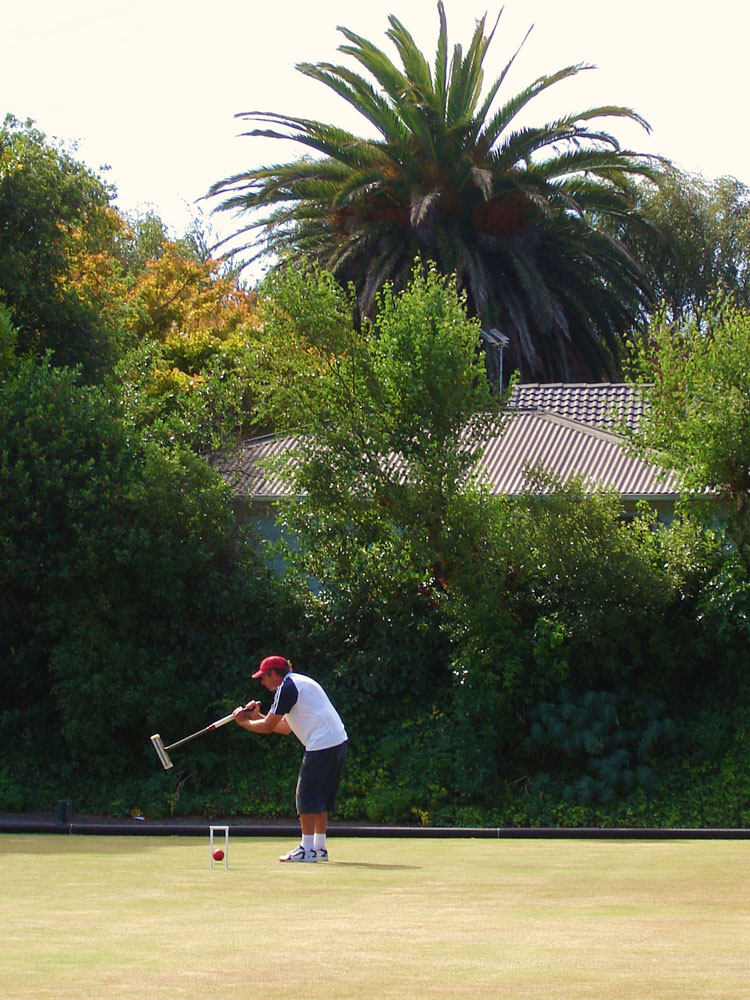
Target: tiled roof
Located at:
point(606, 405)
point(564, 429)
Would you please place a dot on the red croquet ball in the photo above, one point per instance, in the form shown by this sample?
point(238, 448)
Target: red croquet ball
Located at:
point(218, 854)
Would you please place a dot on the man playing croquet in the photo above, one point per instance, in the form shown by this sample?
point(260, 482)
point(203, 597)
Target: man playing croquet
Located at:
point(301, 706)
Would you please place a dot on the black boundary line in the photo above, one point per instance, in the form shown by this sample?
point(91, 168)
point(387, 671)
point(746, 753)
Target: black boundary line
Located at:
point(246, 828)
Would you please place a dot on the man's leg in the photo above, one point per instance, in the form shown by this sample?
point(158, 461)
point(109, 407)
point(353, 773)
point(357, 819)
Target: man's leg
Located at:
point(319, 839)
point(307, 824)
point(318, 782)
point(314, 826)
point(313, 823)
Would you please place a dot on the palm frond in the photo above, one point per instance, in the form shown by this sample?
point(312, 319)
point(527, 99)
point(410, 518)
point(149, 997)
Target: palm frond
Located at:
point(362, 96)
point(441, 62)
point(484, 110)
point(416, 70)
point(421, 205)
point(392, 80)
point(536, 221)
point(504, 116)
point(483, 178)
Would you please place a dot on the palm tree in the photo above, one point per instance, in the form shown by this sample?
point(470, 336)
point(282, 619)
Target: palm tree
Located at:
point(523, 215)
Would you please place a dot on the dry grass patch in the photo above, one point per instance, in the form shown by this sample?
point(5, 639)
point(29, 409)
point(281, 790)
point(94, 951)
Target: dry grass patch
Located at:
point(107, 918)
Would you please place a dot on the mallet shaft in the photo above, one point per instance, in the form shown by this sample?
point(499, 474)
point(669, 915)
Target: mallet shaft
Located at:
point(162, 751)
point(208, 729)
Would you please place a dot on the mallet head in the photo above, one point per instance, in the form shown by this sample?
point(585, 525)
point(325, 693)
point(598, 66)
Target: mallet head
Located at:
point(161, 752)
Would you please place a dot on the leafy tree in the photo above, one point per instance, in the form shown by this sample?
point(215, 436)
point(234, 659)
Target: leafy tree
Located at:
point(192, 391)
point(385, 455)
point(305, 326)
point(146, 238)
point(699, 419)
point(258, 362)
point(521, 214)
point(175, 294)
point(562, 590)
point(700, 241)
point(699, 425)
point(126, 593)
point(188, 379)
point(143, 238)
point(8, 338)
point(56, 233)
point(564, 605)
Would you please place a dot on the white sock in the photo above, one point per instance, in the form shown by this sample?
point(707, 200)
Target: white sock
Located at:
point(307, 841)
point(319, 842)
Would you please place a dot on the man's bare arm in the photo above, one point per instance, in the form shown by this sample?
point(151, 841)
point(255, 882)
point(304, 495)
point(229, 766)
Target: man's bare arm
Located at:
point(250, 718)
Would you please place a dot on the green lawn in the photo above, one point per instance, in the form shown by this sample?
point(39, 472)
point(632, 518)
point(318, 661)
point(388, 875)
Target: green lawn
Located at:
point(89, 918)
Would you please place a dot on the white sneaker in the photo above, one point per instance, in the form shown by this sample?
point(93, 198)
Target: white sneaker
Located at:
point(322, 854)
point(299, 854)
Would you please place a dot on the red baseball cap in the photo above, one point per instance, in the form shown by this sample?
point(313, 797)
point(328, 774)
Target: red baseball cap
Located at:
point(271, 663)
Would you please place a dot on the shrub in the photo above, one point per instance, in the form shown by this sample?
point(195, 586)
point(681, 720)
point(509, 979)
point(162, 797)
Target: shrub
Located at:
point(598, 746)
point(128, 596)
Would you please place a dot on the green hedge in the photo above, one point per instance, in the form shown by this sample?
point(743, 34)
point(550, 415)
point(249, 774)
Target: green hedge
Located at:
point(581, 670)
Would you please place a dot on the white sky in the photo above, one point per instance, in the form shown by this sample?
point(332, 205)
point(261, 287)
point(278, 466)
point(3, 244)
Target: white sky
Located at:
point(150, 87)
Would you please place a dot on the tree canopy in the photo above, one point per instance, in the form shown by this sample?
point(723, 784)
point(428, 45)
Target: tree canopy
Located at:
point(57, 237)
point(524, 215)
point(699, 418)
point(699, 243)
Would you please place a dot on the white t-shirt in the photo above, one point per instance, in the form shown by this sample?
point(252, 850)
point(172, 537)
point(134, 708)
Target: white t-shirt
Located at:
point(309, 712)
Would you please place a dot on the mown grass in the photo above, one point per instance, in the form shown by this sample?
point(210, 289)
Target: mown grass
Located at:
point(96, 918)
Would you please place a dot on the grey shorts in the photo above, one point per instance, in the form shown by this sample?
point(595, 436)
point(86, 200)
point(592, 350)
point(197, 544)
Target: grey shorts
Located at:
point(319, 779)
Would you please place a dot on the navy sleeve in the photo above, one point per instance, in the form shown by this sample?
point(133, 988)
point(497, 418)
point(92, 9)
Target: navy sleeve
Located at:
point(285, 697)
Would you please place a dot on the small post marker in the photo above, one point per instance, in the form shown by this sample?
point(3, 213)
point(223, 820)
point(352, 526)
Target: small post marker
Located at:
point(213, 830)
